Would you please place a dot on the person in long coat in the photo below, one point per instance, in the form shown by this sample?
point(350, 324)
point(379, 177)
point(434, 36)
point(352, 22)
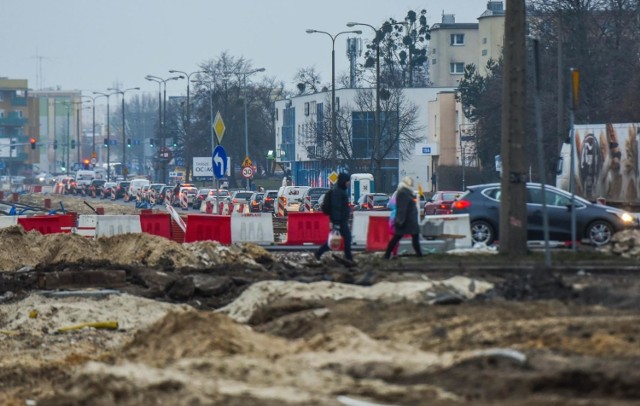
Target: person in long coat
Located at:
point(340, 213)
point(406, 219)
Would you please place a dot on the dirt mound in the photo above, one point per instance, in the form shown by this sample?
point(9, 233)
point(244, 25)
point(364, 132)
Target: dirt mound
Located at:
point(535, 285)
point(21, 248)
point(625, 243)
point(198, 334)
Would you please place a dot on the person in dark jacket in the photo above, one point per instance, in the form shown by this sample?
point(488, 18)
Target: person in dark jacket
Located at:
point(406, 220)
point(340, 213)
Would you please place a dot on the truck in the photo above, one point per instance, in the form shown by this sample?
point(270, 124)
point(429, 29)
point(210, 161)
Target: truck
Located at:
point(606, 164)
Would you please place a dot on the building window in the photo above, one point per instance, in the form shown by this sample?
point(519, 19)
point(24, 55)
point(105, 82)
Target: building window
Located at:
point(457, 68)
point(363, 125)
point(433, 51)
point(433, 61)
point(484, 52)
point(306, 109)
point(484, 40)
point(457, 39)
point(312, 108)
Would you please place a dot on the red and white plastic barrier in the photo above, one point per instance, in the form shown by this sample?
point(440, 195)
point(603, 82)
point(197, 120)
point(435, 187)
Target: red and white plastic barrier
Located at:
point(307, 204)
point(360, 225)
point(184, 202)
point(254, 227)
point(280, 208)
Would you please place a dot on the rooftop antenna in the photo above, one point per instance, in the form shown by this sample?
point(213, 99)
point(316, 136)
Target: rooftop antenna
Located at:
point(354, 50)
point(39, 76)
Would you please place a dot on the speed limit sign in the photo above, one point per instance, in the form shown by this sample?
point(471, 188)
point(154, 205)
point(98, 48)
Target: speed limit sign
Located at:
point(247, 172)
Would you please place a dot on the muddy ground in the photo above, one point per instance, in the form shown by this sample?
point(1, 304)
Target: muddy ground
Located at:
point(202, 324)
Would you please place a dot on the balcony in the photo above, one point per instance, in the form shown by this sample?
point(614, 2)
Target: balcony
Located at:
point(13, 120)
point(18, 101)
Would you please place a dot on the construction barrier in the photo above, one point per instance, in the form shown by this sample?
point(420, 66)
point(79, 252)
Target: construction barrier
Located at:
point(108, 226)
point(307, 228)
point(256, 228)
point(47, 189)
point(126, 196)
point(360, 225)
point(280, 208)
point(68, 221)
point(457, 226)
point(207, 227)
point(43, 224)
point(184, 202)
point(307, 204)
point(156, 224)
point(378, 233)
point(8, 221)
point(87, 224)
point(113, 193)
point(152, 197)
point(176, 218)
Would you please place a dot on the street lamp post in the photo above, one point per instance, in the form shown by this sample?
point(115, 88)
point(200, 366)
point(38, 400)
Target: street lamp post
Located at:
point(78, 148)
point(100, 94)
point(125, 171)
point(188, 120)
point(93, 124)
point(162, 116)
point(333, 88)
point(246, 125)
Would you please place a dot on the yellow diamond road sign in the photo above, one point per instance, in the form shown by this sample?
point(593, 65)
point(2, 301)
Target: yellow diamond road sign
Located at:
point(218, 127)
point(333, 177)
point(247, 162)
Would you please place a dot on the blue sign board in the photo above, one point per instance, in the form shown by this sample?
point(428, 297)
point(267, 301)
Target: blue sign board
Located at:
point(219, 162)
point(179, 161)
point(426, 150)
point(2, 165)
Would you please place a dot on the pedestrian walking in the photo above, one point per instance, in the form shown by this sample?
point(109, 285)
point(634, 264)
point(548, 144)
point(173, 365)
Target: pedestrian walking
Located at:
point(339, 217)
point(406, 217)
point(393, 206)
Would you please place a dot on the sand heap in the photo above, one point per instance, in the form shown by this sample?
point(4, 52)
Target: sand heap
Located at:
point(625, 243)
point(21, 248)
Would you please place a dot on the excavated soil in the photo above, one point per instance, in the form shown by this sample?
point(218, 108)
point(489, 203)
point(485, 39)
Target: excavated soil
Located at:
point(204, 324)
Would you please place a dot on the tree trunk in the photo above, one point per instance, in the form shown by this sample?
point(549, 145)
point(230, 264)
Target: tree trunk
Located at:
point(513, 208)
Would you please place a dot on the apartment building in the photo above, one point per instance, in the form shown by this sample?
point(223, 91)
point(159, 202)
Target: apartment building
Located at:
point(454, 45)
point(16, 155)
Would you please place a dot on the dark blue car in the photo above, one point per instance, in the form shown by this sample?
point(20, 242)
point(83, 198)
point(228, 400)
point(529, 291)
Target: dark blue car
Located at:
point(594, 223)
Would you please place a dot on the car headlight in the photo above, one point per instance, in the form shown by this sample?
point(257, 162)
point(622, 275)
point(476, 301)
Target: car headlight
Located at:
point(626, 217)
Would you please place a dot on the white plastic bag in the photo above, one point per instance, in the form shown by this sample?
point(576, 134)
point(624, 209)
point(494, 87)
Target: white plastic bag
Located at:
point(334, 240)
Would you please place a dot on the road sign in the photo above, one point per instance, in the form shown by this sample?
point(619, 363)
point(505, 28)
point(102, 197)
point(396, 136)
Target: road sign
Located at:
point(333, 177)
point(94, 155)
point(218, 127)
point(219, 162)
point(94, 161)
point(247, 162)
point(247, 172)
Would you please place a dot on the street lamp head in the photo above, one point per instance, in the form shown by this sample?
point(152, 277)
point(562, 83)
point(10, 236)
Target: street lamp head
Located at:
point(357, 32)
point(310, 31)
point(352, 24)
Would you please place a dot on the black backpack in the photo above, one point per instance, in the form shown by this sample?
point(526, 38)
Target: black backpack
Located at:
point(326, 203)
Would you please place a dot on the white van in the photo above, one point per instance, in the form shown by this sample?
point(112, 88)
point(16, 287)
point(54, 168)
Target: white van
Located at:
point(84, 177)
point(137, 184)
point(293, 197)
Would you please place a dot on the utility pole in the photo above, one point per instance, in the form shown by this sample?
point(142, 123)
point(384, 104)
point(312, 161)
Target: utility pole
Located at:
point(513, 202)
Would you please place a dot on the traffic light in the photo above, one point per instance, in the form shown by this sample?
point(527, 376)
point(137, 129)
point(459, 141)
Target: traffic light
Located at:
point(85, 163)
point(55, 144)
point(73, 144)
point(129, 142)
point(32, 141)
point(106, 142)
point(152, 142)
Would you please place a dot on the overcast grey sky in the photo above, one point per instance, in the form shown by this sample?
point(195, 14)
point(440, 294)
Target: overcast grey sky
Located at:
point(95, 44)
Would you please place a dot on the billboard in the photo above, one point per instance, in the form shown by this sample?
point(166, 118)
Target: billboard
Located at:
point(202, 167)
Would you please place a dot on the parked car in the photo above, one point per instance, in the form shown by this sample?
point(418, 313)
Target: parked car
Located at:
point(105, 192)
point(268, 200)
point(440, 202)
point(120, 188)
point(594, 223)
point(199, 197)
point(254, 202)
point(292, 197)
point(372, 202)
point(135, 185)
point(314, 193)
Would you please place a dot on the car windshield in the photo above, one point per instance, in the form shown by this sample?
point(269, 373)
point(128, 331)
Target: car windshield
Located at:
point(316, 193)
point(450, 196)
point(243, 195)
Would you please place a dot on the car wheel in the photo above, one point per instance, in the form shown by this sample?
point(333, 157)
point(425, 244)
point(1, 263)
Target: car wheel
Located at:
point(600, 232)
point(482, 232)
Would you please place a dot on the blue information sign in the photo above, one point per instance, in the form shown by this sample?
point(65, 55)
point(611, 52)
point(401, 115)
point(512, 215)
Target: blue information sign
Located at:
point(219, 162)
